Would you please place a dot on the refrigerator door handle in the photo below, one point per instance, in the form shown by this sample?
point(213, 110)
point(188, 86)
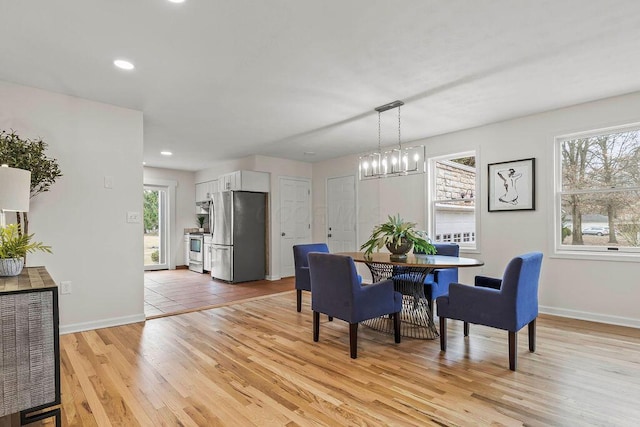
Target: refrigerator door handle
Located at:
point(212, 209)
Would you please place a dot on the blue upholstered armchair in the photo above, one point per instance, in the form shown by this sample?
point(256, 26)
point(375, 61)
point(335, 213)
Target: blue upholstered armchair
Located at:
point(336, 291)
point(509, 304)
point(301, 263)
point(437, 283)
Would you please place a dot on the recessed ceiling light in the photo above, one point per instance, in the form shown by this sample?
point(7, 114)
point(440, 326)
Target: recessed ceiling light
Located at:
point(309, 153)
point(176, 1)
point(123, 64)
point(166, 153)
point(144, 163)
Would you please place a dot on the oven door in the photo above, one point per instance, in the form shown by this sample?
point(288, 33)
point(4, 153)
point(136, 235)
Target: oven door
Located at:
point(195, 253)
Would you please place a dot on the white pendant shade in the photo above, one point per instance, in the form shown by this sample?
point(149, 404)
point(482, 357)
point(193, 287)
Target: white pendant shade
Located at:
point(15, 189)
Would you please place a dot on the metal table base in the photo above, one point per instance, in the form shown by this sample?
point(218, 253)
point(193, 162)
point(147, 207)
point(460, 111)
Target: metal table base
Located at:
point(417, 319)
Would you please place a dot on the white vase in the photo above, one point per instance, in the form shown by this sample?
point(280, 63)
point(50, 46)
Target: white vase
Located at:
point(11, 266)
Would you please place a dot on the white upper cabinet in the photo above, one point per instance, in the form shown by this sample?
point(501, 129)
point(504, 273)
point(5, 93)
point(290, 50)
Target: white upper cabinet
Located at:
point(244, 181)
point(204, 190)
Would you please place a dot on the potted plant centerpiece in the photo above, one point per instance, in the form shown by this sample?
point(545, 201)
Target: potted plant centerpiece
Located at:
point(398, 236)
point(13, 248)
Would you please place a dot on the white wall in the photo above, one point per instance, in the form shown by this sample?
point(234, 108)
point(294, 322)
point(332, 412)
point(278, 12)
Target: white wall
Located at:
point(93, 245)
point(276, 168)
point(606, 291)
point(184, 205)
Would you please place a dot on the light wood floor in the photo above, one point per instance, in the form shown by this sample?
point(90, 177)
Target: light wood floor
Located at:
point(255, 364)
point(180, 291)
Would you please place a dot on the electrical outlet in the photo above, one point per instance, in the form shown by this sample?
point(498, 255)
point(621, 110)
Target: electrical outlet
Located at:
point(108, 182)
point(65, 287)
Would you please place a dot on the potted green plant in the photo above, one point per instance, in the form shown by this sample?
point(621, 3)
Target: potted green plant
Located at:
point(201, 219)
point(13, 248)
point(398, 236)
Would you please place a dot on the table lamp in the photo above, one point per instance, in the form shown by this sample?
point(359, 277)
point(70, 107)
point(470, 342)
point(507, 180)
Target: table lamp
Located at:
point(15, 190)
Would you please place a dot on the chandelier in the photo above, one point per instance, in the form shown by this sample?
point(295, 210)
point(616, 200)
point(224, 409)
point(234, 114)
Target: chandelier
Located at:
point(395, 162)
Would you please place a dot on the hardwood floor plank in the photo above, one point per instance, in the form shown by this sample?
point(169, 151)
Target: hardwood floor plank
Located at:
point(254, 363)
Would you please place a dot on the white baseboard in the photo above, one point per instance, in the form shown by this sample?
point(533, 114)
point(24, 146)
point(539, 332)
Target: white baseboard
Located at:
point(105, 323)
point(273, 277)
point(594, 317)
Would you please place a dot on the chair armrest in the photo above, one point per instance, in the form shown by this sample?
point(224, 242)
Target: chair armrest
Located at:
point(468, 296)
point(442, 275)
point(376, 290)
point(375, 300)
point(488, 282)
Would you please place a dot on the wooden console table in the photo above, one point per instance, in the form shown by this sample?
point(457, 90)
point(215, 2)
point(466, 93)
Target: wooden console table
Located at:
point(29, 347)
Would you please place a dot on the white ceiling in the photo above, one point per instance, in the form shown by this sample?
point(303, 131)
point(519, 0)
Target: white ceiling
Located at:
point(224, 79)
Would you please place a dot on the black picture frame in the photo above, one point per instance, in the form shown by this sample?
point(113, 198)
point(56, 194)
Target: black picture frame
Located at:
point(512, 185)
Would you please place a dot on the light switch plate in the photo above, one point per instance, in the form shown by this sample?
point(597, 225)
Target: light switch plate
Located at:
point(108, 182)
point(133, 217)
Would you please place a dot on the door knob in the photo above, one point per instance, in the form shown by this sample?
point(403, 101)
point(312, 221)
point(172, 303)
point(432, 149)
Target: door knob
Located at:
point(282, 233)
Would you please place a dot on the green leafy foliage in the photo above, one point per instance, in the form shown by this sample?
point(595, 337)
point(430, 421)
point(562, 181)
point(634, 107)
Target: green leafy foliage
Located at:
point(201, 219)
point(29, 154)
point(16, 245)
point(393, 231)
point(150, 212)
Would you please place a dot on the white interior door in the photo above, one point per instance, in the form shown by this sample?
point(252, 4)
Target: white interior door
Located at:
point(295, 220)
point(341, 214)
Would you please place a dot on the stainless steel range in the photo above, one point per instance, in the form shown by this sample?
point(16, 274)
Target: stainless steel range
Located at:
point(196, 250)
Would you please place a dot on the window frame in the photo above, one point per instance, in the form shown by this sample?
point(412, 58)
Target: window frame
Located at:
point(431, 199)
point(621, 253)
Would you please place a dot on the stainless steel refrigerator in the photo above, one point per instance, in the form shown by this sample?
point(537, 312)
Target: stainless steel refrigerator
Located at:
point(238, 236)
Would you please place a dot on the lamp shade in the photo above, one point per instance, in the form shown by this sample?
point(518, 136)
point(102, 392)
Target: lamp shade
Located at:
point(15, 189)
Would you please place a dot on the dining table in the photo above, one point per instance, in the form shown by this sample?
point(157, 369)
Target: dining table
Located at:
point(408, 278)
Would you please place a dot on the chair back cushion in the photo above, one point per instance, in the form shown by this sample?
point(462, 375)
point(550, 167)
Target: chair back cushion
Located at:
point(301, 263)
point(334, 281)
point(520, 286)
point(448, 249)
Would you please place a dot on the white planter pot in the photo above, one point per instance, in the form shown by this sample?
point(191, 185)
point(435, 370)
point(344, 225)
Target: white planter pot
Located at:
point(11, 266)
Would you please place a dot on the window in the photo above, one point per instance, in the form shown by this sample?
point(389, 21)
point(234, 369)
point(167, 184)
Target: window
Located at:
point(453, 199)
point(598, 191)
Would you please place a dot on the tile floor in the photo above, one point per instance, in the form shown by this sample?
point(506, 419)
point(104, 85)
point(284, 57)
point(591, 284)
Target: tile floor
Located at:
point(177, 291)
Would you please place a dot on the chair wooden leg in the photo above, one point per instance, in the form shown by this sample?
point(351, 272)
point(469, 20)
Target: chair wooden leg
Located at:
point(396, 327)
point(466, 329)
point(430, 304)
point(299, 300)
point(353, 339)
point(513, 350)
point(316, 326)
point(532, 335)
point(443, 333)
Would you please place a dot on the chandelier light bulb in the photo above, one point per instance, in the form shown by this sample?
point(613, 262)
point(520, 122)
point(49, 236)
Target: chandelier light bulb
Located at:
point(365, 165)
point(416, 157)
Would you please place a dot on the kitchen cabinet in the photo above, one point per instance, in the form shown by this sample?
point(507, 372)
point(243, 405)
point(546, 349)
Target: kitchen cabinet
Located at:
point(244, 181)
point(207, 253)
point(204, 190)
point(186, 250)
